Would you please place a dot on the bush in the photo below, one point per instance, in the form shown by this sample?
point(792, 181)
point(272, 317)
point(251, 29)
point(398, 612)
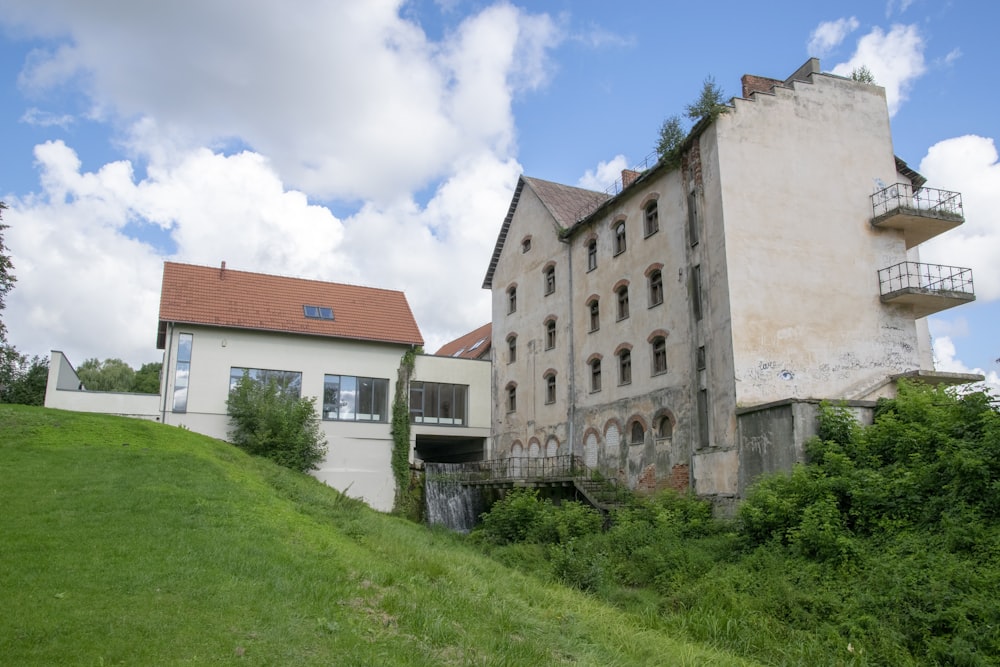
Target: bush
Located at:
point(265, 421)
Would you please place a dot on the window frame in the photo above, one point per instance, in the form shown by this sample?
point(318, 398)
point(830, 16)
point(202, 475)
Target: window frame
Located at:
point(182, 372)
point(624, 367)
point(549, 277)
point(621, 241)
point(512, 299)
point(622, 302)
point(511, 348)
point(594, 306)
point(651, 218)
point(450, 403)
point(595, 375)
point(591, 255)
point(658, 348)
point(550, 334)
point(378, 395)
point(550, 388)
point(655, 283)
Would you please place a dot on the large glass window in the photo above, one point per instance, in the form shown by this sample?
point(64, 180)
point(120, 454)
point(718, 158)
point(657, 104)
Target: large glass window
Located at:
point(438, 403)
point(289, 382)
point(182, 371)
point(349, 398)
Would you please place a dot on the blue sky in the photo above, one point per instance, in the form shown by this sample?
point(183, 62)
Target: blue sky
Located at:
point(298, 139)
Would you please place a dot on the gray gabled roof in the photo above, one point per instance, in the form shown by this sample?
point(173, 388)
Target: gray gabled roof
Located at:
point(566, 203)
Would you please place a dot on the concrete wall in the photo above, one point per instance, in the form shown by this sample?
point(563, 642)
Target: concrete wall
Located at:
point(534, 419)
point(797, 169)
point(64, 392)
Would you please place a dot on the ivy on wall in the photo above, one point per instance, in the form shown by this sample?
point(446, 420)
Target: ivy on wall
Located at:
point(408, 495)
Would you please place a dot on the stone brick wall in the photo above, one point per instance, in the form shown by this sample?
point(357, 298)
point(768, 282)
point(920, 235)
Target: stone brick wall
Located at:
point(758, 84)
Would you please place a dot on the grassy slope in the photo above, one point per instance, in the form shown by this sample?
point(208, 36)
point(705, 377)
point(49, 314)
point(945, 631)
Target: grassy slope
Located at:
point(128, 542)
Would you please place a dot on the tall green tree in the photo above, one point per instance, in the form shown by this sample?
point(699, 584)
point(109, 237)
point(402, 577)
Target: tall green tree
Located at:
point(107, 375)
point(710, 103)
point(147, 379)
point(27, 381)
point(6, 275)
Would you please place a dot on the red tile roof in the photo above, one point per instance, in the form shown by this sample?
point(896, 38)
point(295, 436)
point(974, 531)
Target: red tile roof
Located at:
point(223, 297)
point(473, 345)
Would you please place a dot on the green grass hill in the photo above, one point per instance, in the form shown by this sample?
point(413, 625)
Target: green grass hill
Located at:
point(124, 542)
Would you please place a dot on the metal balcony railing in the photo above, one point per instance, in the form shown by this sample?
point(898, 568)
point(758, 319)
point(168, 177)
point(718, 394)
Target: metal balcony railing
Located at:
point(616, 188)
point(927, 202)
point(925, 277)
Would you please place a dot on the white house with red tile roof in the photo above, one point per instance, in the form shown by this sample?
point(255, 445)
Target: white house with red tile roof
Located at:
point(341, 344)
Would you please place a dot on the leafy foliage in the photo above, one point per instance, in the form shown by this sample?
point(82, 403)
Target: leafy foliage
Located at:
point(7, 278)
point(268, 422)
point(862, 74)
point(408, 500)
point(710, 102)
point(25, 380)
point(116, 375)
point(521, 516)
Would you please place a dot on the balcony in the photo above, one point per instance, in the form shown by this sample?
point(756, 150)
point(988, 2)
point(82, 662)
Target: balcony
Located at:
point(920, 214)
point(928, 288)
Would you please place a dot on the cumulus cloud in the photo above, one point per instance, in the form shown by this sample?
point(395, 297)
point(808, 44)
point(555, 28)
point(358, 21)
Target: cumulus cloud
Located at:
point(944, 360)
point(829, 34)
point(895, 58)
point(604, 175)
point(348, 100)
point(969, 166)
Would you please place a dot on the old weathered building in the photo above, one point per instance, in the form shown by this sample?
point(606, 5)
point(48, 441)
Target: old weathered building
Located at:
point(680, 329)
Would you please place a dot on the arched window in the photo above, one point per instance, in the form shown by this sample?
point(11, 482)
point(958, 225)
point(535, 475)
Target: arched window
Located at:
point(651, 218)
point(637, 435)
point(550, 280)
point(595, 374)
point(620, 237)
point(625, 367)
point(664, 427)
point(659, 345)
point(511, 349)
point(595, 314)
point(591, 254)
point(655, 288)
point(512, 298)
point(511, 397)
point(550, 334)
point(622, 293)
point(550, 387)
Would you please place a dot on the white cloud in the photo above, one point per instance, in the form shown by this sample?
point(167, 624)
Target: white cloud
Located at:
point(829, 34)
point(86, 286)
point(604, 175)
point(598, 37)
point(40, 118)
point(944, 360)
point(969, 166)
point(896, 59)
point(892, 7)
point(347, 100)
point(952, 56)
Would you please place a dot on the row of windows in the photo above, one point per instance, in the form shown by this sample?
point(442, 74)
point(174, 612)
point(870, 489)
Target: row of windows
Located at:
point(655, 284)
point(345, 397)
point(658, 357)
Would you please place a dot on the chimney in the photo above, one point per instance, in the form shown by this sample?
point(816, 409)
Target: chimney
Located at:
point(222, 270)
point(628, 177)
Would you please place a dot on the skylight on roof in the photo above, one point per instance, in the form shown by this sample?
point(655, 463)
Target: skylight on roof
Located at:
point(477, 344)
point(459, 353)
point(318, 312)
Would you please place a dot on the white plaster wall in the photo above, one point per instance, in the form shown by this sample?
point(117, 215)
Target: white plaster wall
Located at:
point(358, 452)
point(533, 417)
point(796, 171)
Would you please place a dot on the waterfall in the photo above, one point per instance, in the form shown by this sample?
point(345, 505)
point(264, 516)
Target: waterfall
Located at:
point(450, 503)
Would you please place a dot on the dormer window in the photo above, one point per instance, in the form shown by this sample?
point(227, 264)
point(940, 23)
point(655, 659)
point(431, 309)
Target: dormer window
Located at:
point(317, 312)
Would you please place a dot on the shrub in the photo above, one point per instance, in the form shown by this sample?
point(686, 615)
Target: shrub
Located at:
point(265, 421)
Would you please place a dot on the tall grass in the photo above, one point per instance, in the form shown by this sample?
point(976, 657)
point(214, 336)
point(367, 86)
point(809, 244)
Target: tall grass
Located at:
point(125, 542)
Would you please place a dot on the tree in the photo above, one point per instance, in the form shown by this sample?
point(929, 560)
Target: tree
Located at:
point(107, 375)
point(6, 276)
point(709, 103)
point(28, 380)
point(671, 136)
point(266, 421)
point(862, 74)
point(147, 379)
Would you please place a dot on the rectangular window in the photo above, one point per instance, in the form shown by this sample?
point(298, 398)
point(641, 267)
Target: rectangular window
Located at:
point(703, 417)
point(693, 217)
point(317, 312)
point(696, 291)
point(289, 382)
point(182, 371)
point(701, 358)
point(438, 403)
point(350, 398)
